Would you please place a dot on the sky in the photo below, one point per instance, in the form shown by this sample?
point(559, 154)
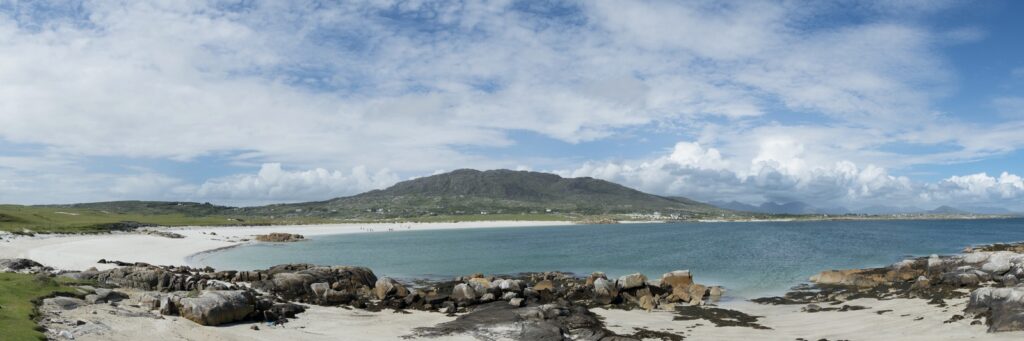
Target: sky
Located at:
point(842, 103)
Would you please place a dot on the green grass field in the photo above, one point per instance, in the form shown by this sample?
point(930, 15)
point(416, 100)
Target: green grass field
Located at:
point(16, 307)
point(39, 219)
point(48, 219)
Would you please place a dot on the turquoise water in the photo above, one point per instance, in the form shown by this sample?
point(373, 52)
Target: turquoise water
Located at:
point(750, 259)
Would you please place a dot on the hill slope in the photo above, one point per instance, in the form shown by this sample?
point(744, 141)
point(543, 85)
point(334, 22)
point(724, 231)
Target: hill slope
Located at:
point(467, 191)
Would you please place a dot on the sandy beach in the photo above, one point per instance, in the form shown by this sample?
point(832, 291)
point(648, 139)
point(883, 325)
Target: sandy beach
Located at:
point(79, 252)
point(902, 319)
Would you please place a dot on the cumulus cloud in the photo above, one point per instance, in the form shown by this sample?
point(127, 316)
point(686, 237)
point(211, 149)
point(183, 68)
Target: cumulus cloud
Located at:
point(413, 81)
point(412, 87)
point(274, 184)
point(781, 173)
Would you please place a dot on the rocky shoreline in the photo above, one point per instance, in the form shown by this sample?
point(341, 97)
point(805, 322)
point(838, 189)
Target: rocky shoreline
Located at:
point(529, 306)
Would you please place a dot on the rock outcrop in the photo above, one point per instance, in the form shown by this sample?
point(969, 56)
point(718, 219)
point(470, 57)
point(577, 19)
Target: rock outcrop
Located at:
point(213, 308)
point(280, 237)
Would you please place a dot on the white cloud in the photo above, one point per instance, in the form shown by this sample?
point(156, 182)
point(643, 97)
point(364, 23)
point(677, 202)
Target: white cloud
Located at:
point(274, 184)
point(339, 86)
point(374, 86)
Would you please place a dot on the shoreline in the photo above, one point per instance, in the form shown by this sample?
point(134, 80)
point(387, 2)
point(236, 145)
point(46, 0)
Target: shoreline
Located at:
point(876, 318)
point(80, 252)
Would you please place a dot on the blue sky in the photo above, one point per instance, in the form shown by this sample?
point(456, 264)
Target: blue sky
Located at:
point(845, 103)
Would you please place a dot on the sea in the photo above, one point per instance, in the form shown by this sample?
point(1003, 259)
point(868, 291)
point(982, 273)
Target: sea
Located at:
point(749, 259)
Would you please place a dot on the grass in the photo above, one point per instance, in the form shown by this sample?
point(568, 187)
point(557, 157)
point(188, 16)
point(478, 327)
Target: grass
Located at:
point(38, 219)
point(48, 219)
point(17, 309)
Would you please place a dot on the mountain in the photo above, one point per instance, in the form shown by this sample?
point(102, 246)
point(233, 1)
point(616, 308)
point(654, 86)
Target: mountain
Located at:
point(947, 210)
point(468, 191)
point(988, 210)
point(795, 207)
point(885, 210)
point(736, 206)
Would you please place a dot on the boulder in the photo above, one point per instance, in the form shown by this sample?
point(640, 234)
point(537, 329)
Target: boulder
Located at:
point(479, 284)
point(63, 303)
point(678, 278)
point(544, 285)
point(213, 308)
point(516, 302)
point(487, 297)
point(697, 292)
point(319, 289)
point(108, 295)
point(387, 287)
point(605, 291)
point(679, 294)
point(463, 293)
point(716, 291)
point(335, 297)
point(1004, 307)
point(149, 300)
point(18, 265)
point(279, 237)
point(169, 305)
point(508, 285)
point(594, 276)
point(632, 281)
point(647, 302)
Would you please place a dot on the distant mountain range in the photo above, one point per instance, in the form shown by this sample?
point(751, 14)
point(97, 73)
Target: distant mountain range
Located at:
point(459, 192)
point(800, 208)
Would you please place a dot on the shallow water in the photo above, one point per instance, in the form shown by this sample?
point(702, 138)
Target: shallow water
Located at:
point(750, 259)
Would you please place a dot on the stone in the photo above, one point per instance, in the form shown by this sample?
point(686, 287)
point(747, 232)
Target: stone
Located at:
point(335, 297)
point(508, 285)
point(1004, 306)
point(279, 237)
point(679, 294)
point(448, 307)
point(149, 301)
point(921, 283)
point(508, 295)
point(605, 291)
point(107, 295)
point(678, 278)
point(479, 284)
point(544, 285)
point(716, 291)
point(63, 303)
point(516, 302)
point(168, 305)
point(388, 287)
point(647, 302)
point(66, 334)
point(319, 289)
point(594, 276)
point(632, 281)
point(697, 292)
point(463, 293)
point(213, 308)
point(811, 308)
point(487, 297)
point(18, 265)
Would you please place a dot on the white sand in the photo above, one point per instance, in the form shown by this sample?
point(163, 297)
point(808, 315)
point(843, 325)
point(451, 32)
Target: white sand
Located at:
point(81, 252)
point(910, 319)
point(317, 323)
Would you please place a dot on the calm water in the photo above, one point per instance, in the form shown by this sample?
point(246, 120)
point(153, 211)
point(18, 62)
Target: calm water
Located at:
point(750, 259)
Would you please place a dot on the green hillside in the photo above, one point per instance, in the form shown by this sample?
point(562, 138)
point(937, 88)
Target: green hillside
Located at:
point(459, 195)
point(466, 191)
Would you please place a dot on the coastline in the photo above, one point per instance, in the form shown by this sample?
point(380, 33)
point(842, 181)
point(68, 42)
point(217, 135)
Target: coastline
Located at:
point(80, 252)
point(902, 318)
